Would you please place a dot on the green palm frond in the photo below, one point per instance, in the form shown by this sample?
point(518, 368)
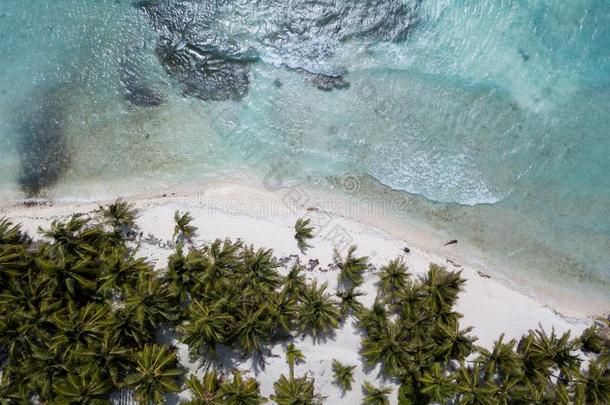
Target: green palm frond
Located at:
point(302, 233)
point(183, 230)
point(453, 343)
point(442, 287)
point(318, 313)
point(471, 387)
point(251, 329)
point(120, 215)
point(293, 356)
point(373, 320)
point(351, 267)
point(502, 361)
point(185, 272)
point(242, 391)
point(295, 391)
point(206, 391)
point(389, 346)
point(151, 302)
point(349, 301)
point(258, 269)
point(155, 374)
point(83, 388)
point(343, 375)
point(593, 387)
point(374, 395)
point(11, 234)
point(437, 385)
point(206, 327)
point(393, 277)
point(294, 282)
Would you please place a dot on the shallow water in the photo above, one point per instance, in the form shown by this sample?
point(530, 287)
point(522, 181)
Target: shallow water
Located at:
point(494, 114)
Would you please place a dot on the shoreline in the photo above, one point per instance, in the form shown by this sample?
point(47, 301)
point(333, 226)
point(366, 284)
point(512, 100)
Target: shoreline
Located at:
point(242, 212)
point(242, 197)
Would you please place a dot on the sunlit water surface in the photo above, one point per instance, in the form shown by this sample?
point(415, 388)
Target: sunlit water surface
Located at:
point(496, 114)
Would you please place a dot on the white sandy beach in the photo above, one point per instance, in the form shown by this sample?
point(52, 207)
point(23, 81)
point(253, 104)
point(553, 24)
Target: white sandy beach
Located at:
point(266, 218)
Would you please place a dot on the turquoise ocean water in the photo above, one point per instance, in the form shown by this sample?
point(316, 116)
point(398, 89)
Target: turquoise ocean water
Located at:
point(493, 117)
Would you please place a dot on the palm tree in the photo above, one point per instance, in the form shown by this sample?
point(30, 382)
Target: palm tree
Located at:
point(453, 343)
point(128, 329)
point(472, 390)
point(207, 326)
point(156, 373)
point(119, 268)
point(251, 328)
point(120, 215)
point(295, 391)
point(594, 386)
point(77, 328)
point(393, 277)
point(183, 230)
point(293, 356)
point(282, 311)
point(151, 302)
point(184, 272)
point(303, 232)
point(242, 392)
point(351, 267)
point(344, 375)
point(501, 361)
point(72, 237)
point(69, 278)
point(374, 395)
point(294, 282)
point(591, 341)
point(206, 391)
point(221, 260)
point(43, 368)
point(375, 319)
point(541, 352)
point(14, 262)
point(442, 287)
point(318, 313)
point(437, 385)
point(410, 301)
point(389, 346)
point(12, 392)
point(349, 301)
point(107, 357)
point(83, 388)
point(258, 269)
point(11, 234)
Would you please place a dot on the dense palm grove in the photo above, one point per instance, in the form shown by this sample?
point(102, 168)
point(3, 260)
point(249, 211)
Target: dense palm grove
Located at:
point(82, 317)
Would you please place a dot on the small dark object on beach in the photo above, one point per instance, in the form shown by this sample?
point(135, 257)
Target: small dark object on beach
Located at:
point(313, 263)
point(484, 275)
point(451, 242)
point(406, 250)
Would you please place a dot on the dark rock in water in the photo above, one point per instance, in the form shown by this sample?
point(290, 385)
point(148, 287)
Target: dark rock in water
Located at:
point(322, 81)
point(136, 90)
point(43, 147)
point(377, 20)
point(207, 45)
point(204, 74)
point(524, 55)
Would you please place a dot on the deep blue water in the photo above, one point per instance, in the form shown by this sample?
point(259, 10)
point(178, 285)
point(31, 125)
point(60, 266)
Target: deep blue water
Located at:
point(496, 113)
